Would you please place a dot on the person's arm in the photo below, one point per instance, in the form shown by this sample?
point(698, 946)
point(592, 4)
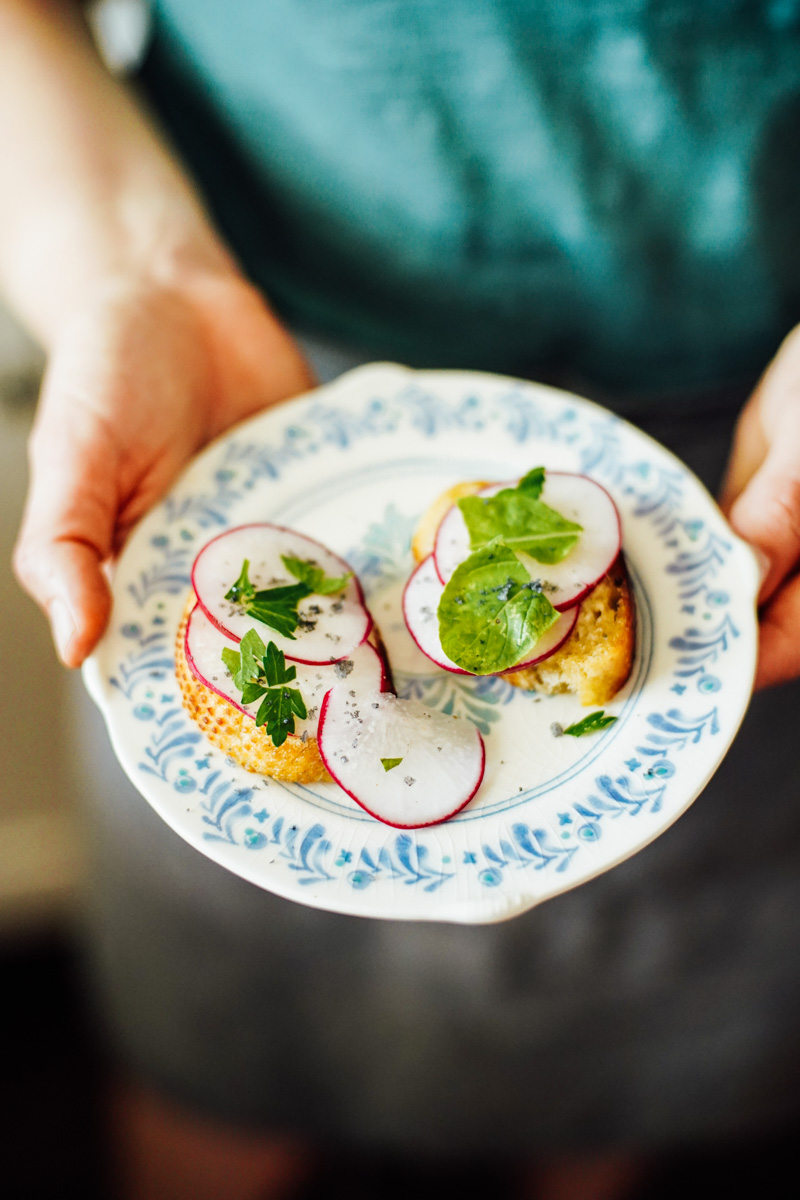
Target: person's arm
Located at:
point(761, 497)
point(155, 341)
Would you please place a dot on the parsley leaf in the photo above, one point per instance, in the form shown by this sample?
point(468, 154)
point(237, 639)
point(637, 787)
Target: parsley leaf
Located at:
point(277, 607)
point(389, 764)
point(314, 577)
point(590, 724)
point(251, 652)
point(490, 613)
point(243, 590)
point(278, 710)
point(233, 662)
point(260, 671)
point(521, 520)
point(275, 667)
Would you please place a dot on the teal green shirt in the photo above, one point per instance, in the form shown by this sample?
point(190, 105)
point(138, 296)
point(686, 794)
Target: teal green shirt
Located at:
point(507, 184)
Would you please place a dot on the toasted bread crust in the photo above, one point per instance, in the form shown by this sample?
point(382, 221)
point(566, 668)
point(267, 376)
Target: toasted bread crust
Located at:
point(296, 761)
point(597, 658)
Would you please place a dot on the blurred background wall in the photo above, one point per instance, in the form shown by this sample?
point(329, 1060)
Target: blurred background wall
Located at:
point(41, 858)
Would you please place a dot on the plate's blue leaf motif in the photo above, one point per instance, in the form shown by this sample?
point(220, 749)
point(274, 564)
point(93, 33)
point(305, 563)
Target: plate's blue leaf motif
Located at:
point(699, 647)
point(525, 420)
point(674, 731)
point(657, 491)
point(152, 661)
point(383, 553)
point(697, 568)
point(170, 575)
point(406, 859)
point(529, 847)
point(479, 699)
point(430, 415)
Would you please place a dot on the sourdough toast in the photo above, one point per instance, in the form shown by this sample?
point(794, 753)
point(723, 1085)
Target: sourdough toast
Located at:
point(596, 660)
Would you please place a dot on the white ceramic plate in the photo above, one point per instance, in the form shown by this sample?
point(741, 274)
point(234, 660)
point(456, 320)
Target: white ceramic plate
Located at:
point(354, 464)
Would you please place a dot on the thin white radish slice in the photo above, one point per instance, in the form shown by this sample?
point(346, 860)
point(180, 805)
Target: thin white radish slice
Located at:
point(575, 497)
point(421, 602)
point(441, 765)
point(204, 644)
point(331, 626)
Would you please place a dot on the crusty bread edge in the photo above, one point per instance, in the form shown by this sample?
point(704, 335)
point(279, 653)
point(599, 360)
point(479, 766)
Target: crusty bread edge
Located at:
point(298, 760)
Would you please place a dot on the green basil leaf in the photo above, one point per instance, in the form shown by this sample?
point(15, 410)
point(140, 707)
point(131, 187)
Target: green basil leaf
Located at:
point(314, 577)
point(590, 724)
point(519, 517)
point(532, 483)
point(490, 613)
point(389, 764)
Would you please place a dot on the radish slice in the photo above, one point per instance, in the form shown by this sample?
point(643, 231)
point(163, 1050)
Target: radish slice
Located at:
point(331, 626)
point(421, 602)
point(441, 763)
point(575, 497)
point(204, 645)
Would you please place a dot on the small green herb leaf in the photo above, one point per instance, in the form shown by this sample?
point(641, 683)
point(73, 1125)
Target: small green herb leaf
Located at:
point(389, 764)
point(591, 724)
point(233, 661)
point(277, 712)
point(277, 607)
point(260, 671)
point(532, 483)
point(242, 590)
point(251, 692)
point(314, 577)
point(275, 667)
point(251, 651)
point(490, 613)
point(521, 520)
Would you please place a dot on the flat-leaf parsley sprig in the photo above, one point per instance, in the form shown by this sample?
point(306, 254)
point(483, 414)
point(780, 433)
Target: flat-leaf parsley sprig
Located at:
point(261, 671)
point(590, 724)
point(277, 606)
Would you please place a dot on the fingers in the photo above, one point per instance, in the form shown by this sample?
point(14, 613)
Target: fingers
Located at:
point(767, 514)
point(66, 580)
point(779, 645)
point(761, 493)
point(69, 517)
point(750, 448)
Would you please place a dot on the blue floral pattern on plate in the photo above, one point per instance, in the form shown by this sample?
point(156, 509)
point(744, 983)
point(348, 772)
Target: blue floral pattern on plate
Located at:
point(355, 464)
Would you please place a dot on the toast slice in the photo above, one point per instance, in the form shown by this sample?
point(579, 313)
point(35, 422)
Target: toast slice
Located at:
point(297, 760)
point(596, 660)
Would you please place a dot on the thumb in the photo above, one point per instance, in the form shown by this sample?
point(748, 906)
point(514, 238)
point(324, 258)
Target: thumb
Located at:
point(767, 511)
point(67, 528)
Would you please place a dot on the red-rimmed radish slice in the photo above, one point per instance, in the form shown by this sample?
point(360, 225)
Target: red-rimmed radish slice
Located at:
point(421, 602)
point(441, 764)
point(575, 497)
point(203, 644)
point(331, 626)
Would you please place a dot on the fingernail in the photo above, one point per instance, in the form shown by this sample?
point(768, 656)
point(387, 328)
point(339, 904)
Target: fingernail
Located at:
point(764, 563)
point(63, 627)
